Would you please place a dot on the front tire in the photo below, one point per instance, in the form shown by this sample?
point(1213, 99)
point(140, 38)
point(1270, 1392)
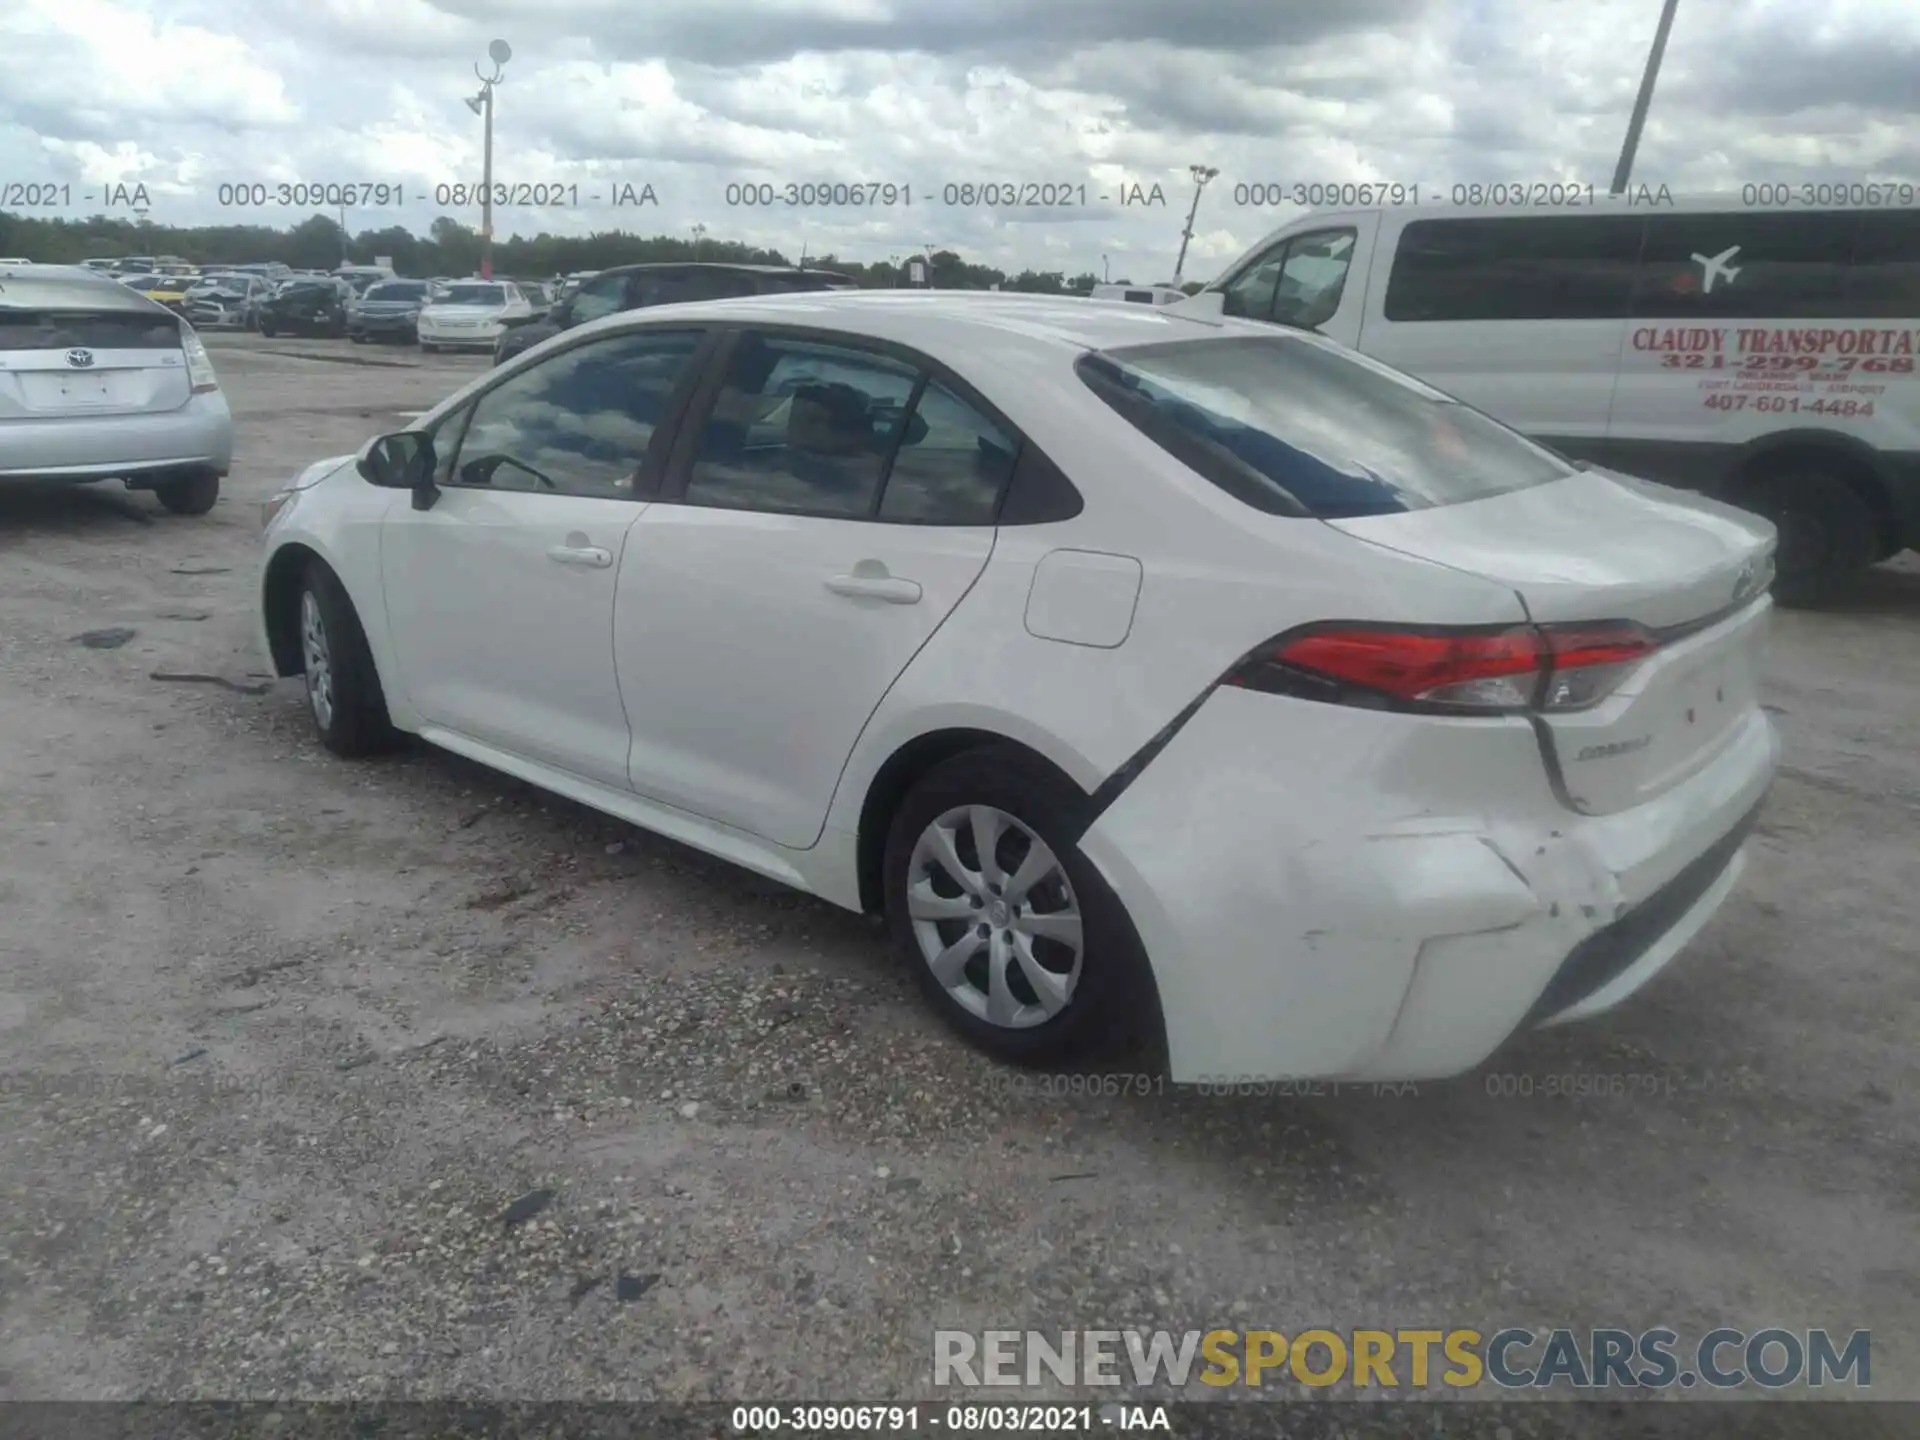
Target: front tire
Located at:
point(189, 494)
point(344, 697)
point(1827, 532)
point(1010, 931)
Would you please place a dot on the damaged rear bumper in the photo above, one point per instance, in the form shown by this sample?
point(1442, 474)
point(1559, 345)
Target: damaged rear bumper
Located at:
point(1391, 897)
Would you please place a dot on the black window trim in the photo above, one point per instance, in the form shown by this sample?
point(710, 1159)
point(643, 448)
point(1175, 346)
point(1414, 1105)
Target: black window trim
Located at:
point(653, 463)
point(699, 410)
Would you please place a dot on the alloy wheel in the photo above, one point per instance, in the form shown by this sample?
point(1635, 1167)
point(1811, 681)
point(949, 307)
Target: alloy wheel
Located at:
point(319, 659)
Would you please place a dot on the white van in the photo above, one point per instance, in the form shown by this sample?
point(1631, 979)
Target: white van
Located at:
point(1763, 353)
point(1138, 294)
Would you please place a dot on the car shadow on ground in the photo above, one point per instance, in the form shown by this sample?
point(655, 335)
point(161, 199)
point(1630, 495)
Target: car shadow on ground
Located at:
point(31, 507)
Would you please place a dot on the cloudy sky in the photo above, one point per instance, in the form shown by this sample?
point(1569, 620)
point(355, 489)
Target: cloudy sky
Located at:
point(691, 96)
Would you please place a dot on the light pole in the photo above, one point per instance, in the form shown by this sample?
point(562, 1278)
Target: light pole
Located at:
point(1645, 98)
point(499, 52)
point(699, 239)
point(1201, 175)
point(1106, 270)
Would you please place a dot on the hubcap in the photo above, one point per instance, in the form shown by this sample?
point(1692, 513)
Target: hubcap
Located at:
point(995, 917)
point(319, 661)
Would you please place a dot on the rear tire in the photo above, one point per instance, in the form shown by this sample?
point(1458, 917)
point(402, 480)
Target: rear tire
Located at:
point(953, 931)
point(189, 494)
point(1827, 532)
point(344, 697)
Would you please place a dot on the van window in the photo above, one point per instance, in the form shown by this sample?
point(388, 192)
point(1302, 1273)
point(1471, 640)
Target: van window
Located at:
point(1294, 425)
point(1884, 281)
point(1298, 282)
point(1746, 265)
point(1548, 267)
point(1139, 297)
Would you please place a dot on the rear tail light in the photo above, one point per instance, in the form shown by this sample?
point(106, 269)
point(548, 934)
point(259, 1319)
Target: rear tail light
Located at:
point(1468, 670)
point(199, 364)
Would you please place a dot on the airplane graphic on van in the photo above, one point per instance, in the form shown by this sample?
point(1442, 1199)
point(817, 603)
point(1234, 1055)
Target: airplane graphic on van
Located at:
point(1716, 267)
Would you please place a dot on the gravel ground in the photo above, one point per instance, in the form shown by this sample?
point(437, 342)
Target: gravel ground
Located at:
point(341, 1080)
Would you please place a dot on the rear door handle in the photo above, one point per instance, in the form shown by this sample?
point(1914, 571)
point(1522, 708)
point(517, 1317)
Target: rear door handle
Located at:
point(591, 556)
point(877, 587)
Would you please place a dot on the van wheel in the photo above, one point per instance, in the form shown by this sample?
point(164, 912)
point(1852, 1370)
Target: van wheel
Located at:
point(1827, 532)
point(189, 494)
point(1013, 935)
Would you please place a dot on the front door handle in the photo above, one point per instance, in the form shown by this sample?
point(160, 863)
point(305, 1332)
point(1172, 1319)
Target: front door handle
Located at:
point(591, 556)
point(876, 587)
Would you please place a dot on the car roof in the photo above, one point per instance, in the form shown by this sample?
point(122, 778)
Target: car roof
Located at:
point(41, 287)
point(727, 266)
point(937, 321)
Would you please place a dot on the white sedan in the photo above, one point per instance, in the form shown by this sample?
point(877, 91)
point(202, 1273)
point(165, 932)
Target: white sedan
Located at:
point(470, 314)
point(1157, 677)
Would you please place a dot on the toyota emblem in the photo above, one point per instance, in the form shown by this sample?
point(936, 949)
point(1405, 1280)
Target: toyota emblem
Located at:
point(80, 359)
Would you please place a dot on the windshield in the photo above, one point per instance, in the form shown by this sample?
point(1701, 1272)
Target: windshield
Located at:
point(1295, 426)
point(401, 290)
point(471, 295)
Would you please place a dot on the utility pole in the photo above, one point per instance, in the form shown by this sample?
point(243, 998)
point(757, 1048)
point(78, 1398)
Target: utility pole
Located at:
point(699, 240)
point(499, 52)
point(1201, 175)
point(1645, 98)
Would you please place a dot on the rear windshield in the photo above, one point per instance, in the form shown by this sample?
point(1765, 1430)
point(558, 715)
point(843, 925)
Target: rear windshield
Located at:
point(1292, 426)
point(86, 330)
point(472, 295)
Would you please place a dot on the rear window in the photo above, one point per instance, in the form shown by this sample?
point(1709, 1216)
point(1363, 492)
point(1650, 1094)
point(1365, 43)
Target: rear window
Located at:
point(1292, 426)
point(86, 330)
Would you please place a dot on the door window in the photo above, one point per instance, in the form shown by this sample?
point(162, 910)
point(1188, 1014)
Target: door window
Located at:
point(603, 295)
point(1741, 265)
point(801, 428)
point(951, 465)
point(578, 423)
point(1298, 282)
point(1550, 267)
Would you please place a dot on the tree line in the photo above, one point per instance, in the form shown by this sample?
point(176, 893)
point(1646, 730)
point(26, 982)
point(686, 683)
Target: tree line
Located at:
point(452, 248)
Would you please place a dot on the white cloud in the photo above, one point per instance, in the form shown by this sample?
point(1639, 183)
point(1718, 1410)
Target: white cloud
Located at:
point(691, 95)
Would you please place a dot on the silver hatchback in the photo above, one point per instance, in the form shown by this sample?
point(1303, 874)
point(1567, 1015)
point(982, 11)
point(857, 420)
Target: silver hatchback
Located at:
point(100, 383)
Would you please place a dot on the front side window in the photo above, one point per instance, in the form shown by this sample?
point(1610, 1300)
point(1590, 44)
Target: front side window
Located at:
point(578, 423)
point(1298, 282)
point(801, 428)
point(606, 295)
point(1292, 425)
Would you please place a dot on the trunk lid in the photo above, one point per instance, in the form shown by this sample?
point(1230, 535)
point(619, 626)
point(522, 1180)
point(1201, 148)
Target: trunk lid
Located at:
point(71, 362)
point(1597, 547)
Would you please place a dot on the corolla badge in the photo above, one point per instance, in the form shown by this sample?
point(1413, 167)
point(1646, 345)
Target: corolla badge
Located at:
point(80, 359)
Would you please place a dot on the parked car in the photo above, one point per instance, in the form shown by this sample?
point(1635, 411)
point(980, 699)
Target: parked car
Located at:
point(167, 290)
point(226, 301)
point(136, 265)
point(634, 287)
point(99, 383)
point(470, 314)
point(306, 307)
point(1752, 354)
point(389, 310)
point(1147, 673)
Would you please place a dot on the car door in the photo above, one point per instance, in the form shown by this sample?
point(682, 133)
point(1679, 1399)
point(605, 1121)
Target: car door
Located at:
point(500, 597)
point(824, 511)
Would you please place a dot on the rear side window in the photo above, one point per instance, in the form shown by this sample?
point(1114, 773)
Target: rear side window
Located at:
point(1558, 267)
point(950, 465)
point(1291, 426)
point(1884, 281)
point(1746, 265)
point(86, 330)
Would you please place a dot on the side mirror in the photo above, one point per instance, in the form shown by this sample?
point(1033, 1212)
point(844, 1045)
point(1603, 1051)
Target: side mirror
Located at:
point(403, 460)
